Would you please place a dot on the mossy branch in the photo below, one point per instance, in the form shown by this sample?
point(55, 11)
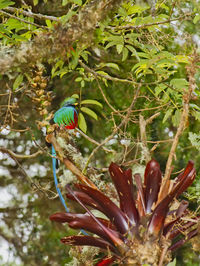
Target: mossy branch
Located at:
point(49, 45)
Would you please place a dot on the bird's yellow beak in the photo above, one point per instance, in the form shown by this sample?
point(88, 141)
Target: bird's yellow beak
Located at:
point(76, 104)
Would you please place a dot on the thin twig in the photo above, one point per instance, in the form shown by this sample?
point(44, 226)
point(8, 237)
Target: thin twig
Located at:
point(128, 27)
point(104, 96)
point(108, 77)
point(22, 20)
point(93, 141)
point(31, 14)
point(163, 254)
point(20, 156)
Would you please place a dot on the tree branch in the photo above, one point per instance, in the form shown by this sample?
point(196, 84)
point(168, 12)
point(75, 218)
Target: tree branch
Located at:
point(73, 168)
point(129, 27)
point(22, 20)
point(20, 156)
point(55, 43)
point(191, 70)
point(31, 14)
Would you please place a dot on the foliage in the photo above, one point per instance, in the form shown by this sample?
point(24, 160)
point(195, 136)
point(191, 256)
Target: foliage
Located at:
point(134, 65)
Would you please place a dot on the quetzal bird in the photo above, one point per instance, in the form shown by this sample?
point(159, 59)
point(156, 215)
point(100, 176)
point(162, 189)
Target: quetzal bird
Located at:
point(66, 116)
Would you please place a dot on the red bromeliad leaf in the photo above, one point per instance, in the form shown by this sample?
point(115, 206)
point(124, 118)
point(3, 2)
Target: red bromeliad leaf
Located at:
point(141, 200)
point(124, 185)
point(110, 209)
point(160, 212)
point(85, 199)
point(118, 243)
point(88, 241)
point(152, 181)
point(105, 261)
point(84, 221)
point(188, 168)
point(187, 178)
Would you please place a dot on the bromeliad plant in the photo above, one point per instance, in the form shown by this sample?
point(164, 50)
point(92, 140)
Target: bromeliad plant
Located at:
point(145, 229)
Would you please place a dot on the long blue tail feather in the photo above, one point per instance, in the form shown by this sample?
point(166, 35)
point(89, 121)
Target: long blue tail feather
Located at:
point(56, 183)
point(56, 180)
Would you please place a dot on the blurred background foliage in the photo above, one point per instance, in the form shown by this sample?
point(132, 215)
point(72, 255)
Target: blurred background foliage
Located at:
point(141, 50)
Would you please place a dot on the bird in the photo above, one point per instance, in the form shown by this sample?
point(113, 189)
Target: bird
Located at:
point(66, 116)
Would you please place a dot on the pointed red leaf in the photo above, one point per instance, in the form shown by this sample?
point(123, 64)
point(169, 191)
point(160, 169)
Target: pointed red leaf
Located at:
point(159, 214)
point(110, 209)
point(110, 234)
point(84, 221)
point(152, 182)
point(188, 168)
point(85, 199)
point(141, 200)
point(186, 178)
point(124, 186)
point(88, 241)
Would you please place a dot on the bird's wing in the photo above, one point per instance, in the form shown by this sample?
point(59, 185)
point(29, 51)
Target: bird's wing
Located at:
point(64, 116)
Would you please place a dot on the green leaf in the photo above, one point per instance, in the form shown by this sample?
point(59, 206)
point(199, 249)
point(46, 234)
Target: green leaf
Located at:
point(179, 83)
point(18, 81)
point(102, 73)
point(82, 83)
point(196, 114)
point(67, 17)
point(88, 101)
point(78, 79)
point(194, 106)
point(176, 118)
point(64, 2)
point(173, 263)
point(159, 89)
point(76, 96)
point(181, 59)
point(112, 65)
point(195, 140)
point(89, 112)
point(48, 22)
point(117, 39)
point(35, 2)
point(131, 48)
point(82, 123)
point(167, 115)
point(119, 48)
point(5, 3)
point(84, 55)
point(114, 40)
point(196, 19)
point(124, 54)
point(77, 2)
point(110, 44)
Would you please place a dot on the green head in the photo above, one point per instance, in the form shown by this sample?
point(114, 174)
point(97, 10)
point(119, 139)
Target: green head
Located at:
point(69, 101)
